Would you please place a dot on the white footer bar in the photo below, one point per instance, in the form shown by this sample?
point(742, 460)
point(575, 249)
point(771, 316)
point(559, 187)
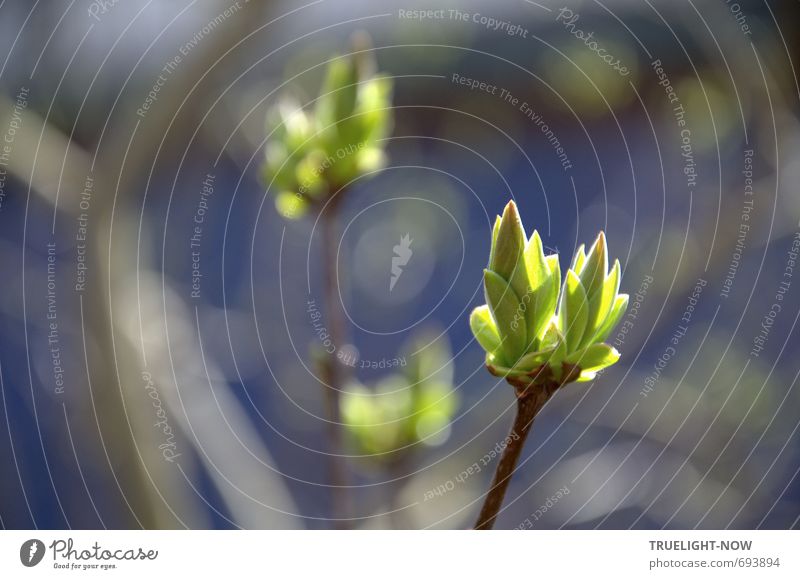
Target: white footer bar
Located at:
point(407, 555)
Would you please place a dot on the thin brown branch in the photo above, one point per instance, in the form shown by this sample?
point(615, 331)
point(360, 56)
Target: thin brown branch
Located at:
point(529, 402)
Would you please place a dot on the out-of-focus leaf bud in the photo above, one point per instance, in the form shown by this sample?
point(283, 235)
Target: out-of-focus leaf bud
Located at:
point(314, 153)
point(413, 405)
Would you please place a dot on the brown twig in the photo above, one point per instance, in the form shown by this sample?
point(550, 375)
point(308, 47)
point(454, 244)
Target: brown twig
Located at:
point(530, 400)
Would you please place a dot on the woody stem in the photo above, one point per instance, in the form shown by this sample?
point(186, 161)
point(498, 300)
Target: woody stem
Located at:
point(529, 404)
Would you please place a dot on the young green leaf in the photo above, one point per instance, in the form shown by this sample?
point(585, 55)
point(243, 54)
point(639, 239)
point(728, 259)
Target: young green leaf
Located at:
point(552, 336)
point(497, 365)
point(601, 303)
point(530, 361)
point(554, 342)
point(495, 230)
point(510, 243)
point(538, 283)
point(555, 270)
point(579, 259)
point(573, 311)
point(596, 266)
point(484, 329)
point(519, 283)
point(613, 318)
point(546, 299)
point(505, 308)
point(535, 262)
point(594, 357)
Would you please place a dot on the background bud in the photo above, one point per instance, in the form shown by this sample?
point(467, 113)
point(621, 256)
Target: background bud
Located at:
point(414, 404)
point(312, 154)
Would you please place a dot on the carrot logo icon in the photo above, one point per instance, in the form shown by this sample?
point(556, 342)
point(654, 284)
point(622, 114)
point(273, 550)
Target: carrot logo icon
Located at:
point(31, 553)
point(402, 253)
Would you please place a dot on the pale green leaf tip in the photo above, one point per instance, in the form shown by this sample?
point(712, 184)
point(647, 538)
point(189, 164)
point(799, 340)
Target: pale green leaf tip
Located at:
point(510, 210)
point(511, 215)
point(600, 244)
point(579, 259)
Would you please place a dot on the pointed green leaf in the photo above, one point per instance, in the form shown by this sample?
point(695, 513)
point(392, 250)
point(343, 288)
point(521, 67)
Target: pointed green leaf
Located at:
point(546, 299)
point(519, 283)
point(573, 311)
point(555, 287)
point(586, 376)
point(538, 283)
point(613, 318)
point(535, 262)
point(594, 357)
point(552, 336)
point(484, 329)
point(519, 276)
point(507, 313)
point(554, 342)
point(555, 269)
point(495, 229)
point(510, 243)
point(544, 310)
point(596, 266)
point(579, 259)
point(601, 303)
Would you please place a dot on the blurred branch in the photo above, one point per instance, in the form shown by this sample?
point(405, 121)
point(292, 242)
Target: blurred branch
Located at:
point(333, 383)
point(41, 152)
point(119, 177)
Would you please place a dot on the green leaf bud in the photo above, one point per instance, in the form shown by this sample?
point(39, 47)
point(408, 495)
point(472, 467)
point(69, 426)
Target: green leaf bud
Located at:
point(533, 328)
